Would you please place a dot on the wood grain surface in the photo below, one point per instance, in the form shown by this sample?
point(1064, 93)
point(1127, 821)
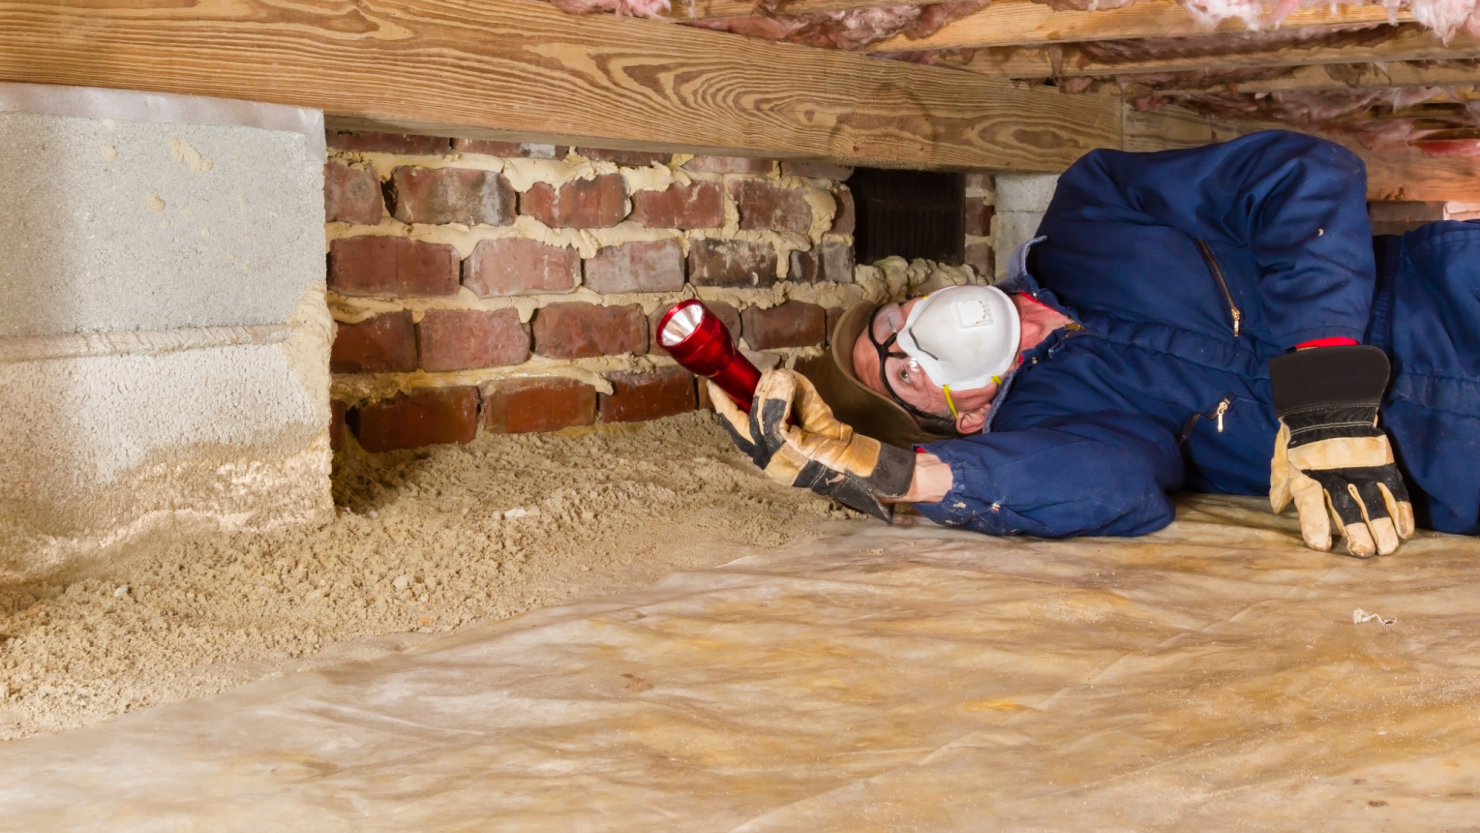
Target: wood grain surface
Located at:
point(1406, 44)
point(523, 70)
point(1023, 22)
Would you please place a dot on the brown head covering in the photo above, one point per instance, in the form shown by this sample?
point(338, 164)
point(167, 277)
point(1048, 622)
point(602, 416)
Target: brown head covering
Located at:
point(871, 414)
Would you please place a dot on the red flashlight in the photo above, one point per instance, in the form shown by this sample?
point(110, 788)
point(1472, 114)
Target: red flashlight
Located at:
point(698, 340)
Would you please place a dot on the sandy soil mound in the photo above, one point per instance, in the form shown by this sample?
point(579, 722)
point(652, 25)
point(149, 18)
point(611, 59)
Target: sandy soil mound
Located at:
point(425, 542)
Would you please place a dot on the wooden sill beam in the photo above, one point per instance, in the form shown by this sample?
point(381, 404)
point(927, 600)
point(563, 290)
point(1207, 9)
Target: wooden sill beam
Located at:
point(1039, 62)
point(1353, 77)
point(1025, 23)
point(518, 70)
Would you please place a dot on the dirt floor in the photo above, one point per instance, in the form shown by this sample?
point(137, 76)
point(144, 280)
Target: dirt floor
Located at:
point(426, 542)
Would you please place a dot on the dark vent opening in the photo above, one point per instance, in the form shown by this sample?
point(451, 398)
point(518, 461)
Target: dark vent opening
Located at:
point(910, 214)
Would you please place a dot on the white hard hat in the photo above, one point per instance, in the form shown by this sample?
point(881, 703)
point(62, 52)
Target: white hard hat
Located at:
point(964, 337)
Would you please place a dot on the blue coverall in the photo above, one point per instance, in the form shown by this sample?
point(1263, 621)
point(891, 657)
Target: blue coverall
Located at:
point(1189, 270)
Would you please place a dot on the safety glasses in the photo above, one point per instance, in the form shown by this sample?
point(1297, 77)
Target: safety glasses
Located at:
point(883, 332)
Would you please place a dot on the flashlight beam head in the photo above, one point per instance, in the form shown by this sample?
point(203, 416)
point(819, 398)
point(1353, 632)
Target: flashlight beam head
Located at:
point(696, 339)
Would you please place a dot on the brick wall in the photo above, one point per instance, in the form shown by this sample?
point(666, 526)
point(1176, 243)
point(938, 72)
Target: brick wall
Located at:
point(491, 286)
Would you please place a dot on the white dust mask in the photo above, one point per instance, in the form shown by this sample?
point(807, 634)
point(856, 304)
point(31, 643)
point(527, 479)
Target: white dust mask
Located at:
point(964, 337)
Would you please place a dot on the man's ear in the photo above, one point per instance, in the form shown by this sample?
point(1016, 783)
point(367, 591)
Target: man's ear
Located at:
point(972, 422)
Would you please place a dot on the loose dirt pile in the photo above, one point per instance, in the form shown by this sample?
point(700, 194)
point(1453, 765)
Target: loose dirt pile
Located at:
point(425, 542)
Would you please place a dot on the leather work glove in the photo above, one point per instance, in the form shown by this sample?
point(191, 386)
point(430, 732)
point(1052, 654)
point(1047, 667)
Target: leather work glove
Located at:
point(815, 450)
point(1330, 454)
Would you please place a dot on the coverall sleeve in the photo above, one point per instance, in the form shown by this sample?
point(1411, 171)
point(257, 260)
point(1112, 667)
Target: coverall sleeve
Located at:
point(1088, 474)
point(1296, 201)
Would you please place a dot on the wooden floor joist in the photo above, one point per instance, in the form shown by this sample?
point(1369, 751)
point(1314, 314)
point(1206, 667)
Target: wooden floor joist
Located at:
point(525, 71)
point(1026, 23)
point(1355, 77)
point(1067, 61)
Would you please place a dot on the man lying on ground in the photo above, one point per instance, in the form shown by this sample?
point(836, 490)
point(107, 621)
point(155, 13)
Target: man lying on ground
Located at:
point(1212, 320)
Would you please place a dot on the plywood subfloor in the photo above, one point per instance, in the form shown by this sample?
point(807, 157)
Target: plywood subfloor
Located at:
point(1210, 677)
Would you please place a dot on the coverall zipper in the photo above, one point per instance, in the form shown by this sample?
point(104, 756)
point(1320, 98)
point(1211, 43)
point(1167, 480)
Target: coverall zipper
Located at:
point(1233, 310)
point(1217, 414)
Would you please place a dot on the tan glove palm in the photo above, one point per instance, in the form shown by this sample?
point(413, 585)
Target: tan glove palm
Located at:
point(1342, 479)
point(814, 449)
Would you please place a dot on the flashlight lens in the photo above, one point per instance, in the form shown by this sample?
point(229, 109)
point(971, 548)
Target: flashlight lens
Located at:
point(682, 324)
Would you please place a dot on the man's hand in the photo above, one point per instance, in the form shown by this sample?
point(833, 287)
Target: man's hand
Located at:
point(1330, 454)
point(817, 451)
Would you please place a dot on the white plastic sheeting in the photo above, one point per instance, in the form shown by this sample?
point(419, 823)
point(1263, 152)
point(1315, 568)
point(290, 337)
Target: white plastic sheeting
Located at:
point(1210, 677)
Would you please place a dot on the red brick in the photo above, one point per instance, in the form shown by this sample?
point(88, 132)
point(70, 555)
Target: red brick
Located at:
point(979, 256)
point(641, 396)
point(835, 259)
point(422, 417)
point(803, 266)
point(816, 170)
point(380, 344)
point(727, 313)
point(336, 425)
point(699, 204)
point(845, 218)
point(583, 331)
point(651, 266)
point(393, 266)
point(833, 316)
point(463, 339)
point(519, 406)
point(388, 142)
point(730, 165)
point(978, 217)
point(581, 203)
point(488, 147)
point(516, 266)
point(492, 148)
point(792, 324)
point(766, 206)
point(630, 158)
point(352, 194)
point(451, 195)
point(731, 263)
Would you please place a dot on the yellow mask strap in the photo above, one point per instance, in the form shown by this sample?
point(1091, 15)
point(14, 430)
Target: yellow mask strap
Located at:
point(952, 405)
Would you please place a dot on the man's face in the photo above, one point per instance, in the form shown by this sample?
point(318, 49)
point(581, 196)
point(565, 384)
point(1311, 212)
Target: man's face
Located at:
point(908, 380)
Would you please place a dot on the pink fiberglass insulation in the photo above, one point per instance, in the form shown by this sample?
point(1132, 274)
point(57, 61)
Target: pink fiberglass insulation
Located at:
point(1142, 82)
point(1443, 16)
point(1380, 134)
point(634, 8)
point(857, 28)
point(1320, 107)
point(1449, 126)
point(1084, 5)
point(852, 29)
point(1235, 43)
point(1448, 16)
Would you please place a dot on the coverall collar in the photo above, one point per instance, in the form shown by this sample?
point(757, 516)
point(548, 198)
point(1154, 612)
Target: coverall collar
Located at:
point(1020, 281)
